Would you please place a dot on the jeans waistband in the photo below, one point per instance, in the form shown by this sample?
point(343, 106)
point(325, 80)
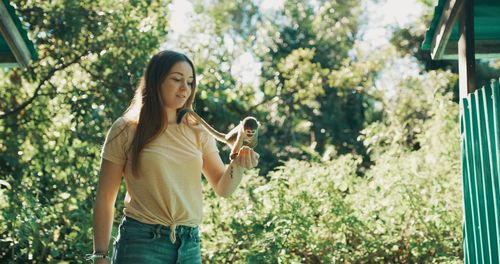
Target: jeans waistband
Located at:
point(179, 229)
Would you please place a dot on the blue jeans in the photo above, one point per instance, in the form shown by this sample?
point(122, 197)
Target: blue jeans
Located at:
point(138, 243)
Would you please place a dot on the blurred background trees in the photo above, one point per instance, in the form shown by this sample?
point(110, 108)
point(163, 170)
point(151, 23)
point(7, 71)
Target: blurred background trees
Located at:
point(350, 170)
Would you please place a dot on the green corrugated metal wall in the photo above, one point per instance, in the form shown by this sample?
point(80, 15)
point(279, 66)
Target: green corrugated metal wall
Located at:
point(480, 130)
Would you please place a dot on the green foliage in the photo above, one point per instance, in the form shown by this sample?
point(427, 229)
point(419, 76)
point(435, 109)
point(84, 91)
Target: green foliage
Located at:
point(407, 208)
point(237, 17)
point(407, 112)
point(302, 86)
point(298, 215)
point(418, 213)
point(305, 38)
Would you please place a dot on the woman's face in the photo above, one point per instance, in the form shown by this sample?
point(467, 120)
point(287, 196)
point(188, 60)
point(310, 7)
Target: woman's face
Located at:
point(176, 88)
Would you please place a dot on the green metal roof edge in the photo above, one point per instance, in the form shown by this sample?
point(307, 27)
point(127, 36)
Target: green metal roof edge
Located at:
point(22, 31)
point(438, 12)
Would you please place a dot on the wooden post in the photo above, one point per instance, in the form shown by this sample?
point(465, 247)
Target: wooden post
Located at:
point(466, 54)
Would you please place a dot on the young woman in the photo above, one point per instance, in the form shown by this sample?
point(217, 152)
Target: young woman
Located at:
point(162, 163)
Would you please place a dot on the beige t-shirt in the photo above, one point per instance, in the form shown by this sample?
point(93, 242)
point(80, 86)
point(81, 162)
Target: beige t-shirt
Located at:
point(169, 190)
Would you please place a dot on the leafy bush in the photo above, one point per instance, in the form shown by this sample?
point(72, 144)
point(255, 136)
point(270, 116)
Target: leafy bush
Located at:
point(406, 208)
point(298, 215)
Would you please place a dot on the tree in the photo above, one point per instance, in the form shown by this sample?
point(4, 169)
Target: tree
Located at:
point(55, 115)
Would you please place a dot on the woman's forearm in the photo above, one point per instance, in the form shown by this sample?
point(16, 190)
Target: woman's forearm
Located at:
point(103, 224)
point(230, 179)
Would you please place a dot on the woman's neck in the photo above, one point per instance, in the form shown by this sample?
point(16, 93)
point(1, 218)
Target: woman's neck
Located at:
point(171, 116)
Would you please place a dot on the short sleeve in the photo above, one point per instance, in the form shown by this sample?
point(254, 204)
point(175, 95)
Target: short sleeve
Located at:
point(115, 145)
point(208, 145)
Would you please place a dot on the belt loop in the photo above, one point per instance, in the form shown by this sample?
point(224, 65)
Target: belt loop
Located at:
point(157, 232)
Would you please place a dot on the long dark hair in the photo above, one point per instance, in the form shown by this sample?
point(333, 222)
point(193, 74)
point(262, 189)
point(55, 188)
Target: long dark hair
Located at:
point(147, 110)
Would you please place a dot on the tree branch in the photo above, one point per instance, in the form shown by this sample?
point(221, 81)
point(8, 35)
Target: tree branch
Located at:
point(50, 74)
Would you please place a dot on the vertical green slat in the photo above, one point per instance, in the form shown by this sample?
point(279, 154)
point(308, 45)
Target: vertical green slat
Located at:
point(487, 194)
point(492, 176)
point(471, 209)
point(496, 159)
point(466, 247)
point(470, 245)
point(477, 183)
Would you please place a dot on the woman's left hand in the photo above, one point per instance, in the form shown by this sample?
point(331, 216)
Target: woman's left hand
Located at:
point(247, 158)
